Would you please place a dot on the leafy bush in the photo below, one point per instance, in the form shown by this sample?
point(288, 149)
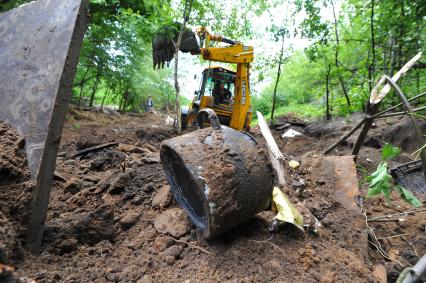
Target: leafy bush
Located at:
point(381, 181)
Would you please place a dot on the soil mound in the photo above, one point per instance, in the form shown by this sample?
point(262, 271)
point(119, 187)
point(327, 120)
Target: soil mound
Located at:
point(112, 218)
point(15, 193)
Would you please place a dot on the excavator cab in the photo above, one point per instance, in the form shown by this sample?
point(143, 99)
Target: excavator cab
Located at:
point(216, 91)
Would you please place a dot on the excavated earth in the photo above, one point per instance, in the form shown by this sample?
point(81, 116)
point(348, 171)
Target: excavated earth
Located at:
point(112, 218)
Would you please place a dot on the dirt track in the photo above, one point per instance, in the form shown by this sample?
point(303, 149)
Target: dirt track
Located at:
point(103, 222)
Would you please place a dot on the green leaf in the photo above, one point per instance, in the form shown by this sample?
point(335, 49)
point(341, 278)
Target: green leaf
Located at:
point(409, 197)
point(380, 182)
point(390, 152)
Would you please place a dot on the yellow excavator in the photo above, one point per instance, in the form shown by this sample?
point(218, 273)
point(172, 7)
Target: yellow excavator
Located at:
point(222, 90)
point(219, 175)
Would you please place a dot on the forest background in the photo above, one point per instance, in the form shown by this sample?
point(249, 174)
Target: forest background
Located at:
point(320, 58)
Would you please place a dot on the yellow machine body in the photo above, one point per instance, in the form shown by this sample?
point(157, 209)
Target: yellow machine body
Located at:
point(236, 113)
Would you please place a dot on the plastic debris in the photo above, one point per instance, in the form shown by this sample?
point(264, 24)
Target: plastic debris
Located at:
point(286, 210)
point(291, 134)
point(294, 164)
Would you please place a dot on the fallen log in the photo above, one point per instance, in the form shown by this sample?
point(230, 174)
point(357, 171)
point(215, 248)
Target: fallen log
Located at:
point(94, 148)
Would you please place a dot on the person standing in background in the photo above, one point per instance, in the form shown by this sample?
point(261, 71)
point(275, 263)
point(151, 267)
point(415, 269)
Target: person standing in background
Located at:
point(149, 104)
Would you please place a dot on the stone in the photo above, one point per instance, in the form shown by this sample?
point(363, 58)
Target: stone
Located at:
point(172, 221)
point(160, 244)
point(380, 273)
point(129, 219)
point(170, 259)
point(73, 186)
point(67, 246)
point(146, 279)
point(128, 148)
point(119, 183)
point(152, 158)
point(174, 251)
point(86, 227)
point(163, 197)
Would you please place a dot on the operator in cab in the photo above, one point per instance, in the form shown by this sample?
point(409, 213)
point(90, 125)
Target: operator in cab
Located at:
point(221, 94)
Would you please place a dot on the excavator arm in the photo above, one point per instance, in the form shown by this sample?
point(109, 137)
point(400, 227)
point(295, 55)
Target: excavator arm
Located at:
point(234, 53)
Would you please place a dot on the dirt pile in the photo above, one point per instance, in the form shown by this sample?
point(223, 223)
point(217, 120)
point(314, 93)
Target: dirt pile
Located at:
point(15, 193)
point(115, 221)
point(403, 236)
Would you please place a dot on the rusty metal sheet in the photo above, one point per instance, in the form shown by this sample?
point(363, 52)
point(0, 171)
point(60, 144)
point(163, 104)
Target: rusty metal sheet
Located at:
point(347, 189)
point(39, 47)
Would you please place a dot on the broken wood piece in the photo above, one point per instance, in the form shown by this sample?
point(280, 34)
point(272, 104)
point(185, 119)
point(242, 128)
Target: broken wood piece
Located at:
point(270, 141)
point(345, 136)
point(377, 97)
point(375, 100)
point(390, 216)
point(274, 153)
point(94, 148)
point(381, 114)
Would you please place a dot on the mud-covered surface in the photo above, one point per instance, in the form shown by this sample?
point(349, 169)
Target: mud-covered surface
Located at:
point(223, 183)
point(15, 194)
point(113, 218)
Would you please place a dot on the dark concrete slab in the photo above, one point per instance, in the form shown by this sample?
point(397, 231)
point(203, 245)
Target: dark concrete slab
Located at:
point(39, 47)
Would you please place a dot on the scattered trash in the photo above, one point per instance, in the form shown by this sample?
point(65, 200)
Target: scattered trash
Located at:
point(291, 134)
point(410, 176)
point(169, 121)
point(287, 213)
point(294, 164)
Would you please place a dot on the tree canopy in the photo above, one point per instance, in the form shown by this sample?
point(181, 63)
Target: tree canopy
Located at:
point(348, 50)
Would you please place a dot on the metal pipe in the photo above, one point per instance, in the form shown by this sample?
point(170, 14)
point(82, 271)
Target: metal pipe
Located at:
point(221, 178)
point(416, 272)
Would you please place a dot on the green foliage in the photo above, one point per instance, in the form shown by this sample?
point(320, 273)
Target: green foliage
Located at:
point(10, 4)
point(381, 181)
point(390, 152)
point(344, 43)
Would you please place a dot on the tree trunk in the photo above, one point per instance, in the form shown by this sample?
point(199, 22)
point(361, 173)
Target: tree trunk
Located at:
point(81, 88)
point(371, 68)
point(274, 97)
point(125, 99)
point(336, 32)
point(336, 59)
point(105, 96)
point(94, 89)
point(345, 92)
point(121, 103)
point(327, 93)
point(280, 61)
point(186, 13)
point(393, 57)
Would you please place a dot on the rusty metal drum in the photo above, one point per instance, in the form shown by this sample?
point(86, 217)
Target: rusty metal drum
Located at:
point(221, 177)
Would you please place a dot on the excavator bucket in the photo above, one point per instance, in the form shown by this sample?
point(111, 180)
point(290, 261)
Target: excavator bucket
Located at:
point(221, 177)
point(163, 46)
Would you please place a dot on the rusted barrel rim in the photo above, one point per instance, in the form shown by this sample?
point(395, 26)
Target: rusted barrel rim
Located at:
point(182, 181)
